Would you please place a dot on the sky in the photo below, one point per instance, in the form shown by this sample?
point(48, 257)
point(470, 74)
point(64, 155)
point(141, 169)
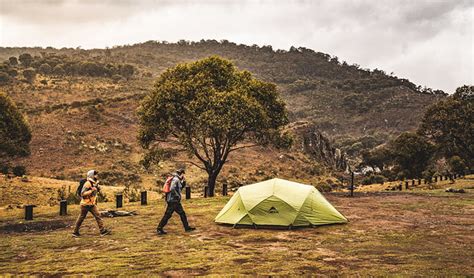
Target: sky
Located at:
point(429, 42)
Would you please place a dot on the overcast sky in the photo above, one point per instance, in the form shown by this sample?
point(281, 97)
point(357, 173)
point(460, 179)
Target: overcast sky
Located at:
point(428, 41)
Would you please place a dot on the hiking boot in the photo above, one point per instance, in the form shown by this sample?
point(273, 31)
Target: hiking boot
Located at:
point(160, 231)
point(189, 229)
point(105, 232)
point(76, 234)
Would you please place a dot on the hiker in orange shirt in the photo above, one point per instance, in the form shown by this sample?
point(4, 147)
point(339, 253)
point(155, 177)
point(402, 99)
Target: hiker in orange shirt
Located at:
point(88, 193)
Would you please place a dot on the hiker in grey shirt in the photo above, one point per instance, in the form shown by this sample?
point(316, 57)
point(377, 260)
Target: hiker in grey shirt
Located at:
point(173, 200)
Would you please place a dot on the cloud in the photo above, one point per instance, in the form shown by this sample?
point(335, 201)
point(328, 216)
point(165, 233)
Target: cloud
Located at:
point(428, 41)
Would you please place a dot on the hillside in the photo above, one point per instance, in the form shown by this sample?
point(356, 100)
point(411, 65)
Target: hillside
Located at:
point(82, 109)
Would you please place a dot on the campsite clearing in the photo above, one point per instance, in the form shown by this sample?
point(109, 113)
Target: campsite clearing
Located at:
point(389, 232)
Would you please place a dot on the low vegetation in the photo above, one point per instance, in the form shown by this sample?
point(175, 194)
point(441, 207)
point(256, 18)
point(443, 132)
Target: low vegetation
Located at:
point(404, 233)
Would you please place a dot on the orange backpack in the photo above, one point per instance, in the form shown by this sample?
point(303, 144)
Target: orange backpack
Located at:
point(167, 186)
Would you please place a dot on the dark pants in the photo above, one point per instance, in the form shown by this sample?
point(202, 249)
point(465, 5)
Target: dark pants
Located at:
point(95, 212)
point(172, 207)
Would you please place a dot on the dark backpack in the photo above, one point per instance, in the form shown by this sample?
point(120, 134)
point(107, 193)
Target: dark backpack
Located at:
point(79, 188)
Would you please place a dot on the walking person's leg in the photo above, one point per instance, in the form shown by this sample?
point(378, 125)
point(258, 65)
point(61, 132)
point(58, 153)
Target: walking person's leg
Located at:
point(80, 219)
point(168, 213)
point(182, 215)
point(184, 219)
point(95, 211)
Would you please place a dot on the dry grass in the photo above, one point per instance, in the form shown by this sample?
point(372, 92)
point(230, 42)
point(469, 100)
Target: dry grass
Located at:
point(388, 233)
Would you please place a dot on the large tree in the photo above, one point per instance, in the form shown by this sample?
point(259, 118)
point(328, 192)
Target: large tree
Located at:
point(15, 134)
point(209, 108)
point(449, 123)
point(411, 153)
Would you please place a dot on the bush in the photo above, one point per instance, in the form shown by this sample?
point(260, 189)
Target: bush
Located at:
point(324, 186)
point(59, 70)
point(116, 78)
point(72, 198)
point(45, 68)
point(4, 168)
point(457, 164)
point(4, 78)
point(19, 170)
point(373, 179)
point(102, 197)
point(131, 193)
point(62, 193)
point(389, 174)
point(29, 74)
point(428, 174)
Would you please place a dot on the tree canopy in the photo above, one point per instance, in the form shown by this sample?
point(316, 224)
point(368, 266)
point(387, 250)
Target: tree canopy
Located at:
point(411, 153)
point(15, 135)
point(449, 124)
point(209, 108)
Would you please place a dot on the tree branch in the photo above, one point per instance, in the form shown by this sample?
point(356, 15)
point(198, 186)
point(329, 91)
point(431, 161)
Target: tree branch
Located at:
point(193, 163)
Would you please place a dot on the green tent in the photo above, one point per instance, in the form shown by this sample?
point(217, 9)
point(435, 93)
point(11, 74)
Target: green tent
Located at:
point(278, 202)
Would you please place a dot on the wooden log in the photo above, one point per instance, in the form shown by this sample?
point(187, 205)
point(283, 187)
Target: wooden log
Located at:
point(29, 212)
point(224, 189)
point(143, 198)
point(188, 192)
point(63, 207)
point(118, 200)
point(352, 184)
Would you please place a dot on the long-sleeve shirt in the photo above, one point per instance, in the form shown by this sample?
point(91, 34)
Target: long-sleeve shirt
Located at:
point(175, 190)
point(88, 197)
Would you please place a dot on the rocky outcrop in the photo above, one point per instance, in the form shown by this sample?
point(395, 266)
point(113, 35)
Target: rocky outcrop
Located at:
point(314, 144)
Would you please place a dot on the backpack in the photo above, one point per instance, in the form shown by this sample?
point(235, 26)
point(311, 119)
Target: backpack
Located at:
point(167, 185)
point(79, 188)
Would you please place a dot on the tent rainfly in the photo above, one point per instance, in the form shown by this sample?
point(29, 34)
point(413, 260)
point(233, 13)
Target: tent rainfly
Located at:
point(279, 202)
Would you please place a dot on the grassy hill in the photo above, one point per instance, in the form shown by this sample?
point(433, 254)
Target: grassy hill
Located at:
point(82, 109)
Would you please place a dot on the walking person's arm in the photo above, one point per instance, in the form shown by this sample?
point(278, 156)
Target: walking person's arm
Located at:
point(88, 189)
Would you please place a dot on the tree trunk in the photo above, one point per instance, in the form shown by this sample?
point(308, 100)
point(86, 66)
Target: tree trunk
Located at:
point(211, 184)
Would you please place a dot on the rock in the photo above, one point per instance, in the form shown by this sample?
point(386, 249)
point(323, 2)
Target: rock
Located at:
point(454, 190)
point(320, 148)
point(116, 213)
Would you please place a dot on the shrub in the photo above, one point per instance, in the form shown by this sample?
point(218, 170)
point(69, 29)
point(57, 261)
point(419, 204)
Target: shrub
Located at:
point(102, 197)
point(59, 70)
point(72, 198)
point(13, 61)
point(4, 168)
point(373, 179)
point(457, 164)
point(29, 74)
point(4, 78)
point(62, 193)
point(25, 59)
point(116, 78)
point(45, 69)
point(19, 170)
point(428, 173)
point(323, 186)
point(131, 194)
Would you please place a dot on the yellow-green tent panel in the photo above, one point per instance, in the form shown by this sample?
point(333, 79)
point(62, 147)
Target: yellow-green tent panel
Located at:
point(279, 202)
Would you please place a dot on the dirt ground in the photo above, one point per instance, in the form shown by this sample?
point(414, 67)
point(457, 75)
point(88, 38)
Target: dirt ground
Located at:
point(416, 233)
